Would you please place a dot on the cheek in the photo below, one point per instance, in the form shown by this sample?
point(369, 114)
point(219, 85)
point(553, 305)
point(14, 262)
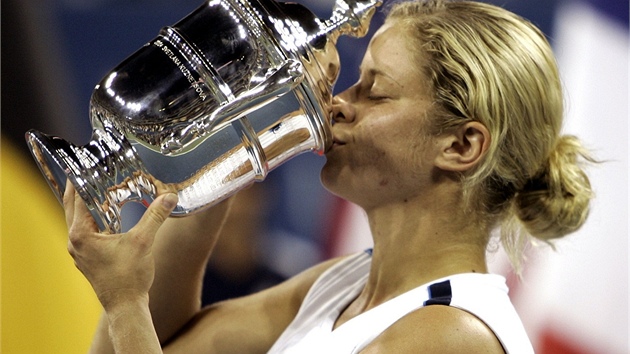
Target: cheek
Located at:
point(393, 144)
point(383, 150)
point(356, 166)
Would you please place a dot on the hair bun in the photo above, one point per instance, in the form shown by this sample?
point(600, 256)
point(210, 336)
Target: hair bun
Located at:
point(556, 201)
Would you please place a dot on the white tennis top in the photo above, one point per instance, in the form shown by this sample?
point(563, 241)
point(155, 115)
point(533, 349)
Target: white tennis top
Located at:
point(484, 295)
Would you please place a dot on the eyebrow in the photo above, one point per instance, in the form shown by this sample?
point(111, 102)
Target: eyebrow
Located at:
point(377, 72)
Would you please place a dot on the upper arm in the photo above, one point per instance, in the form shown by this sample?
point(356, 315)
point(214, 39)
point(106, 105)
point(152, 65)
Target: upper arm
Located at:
point(436, 329)
point(250, 324)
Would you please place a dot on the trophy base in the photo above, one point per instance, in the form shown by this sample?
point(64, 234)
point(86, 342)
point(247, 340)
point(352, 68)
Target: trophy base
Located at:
point(86, 167)
point(51, 167)
point(54, 166)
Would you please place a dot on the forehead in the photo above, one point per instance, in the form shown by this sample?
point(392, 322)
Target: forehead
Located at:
point(391, 52)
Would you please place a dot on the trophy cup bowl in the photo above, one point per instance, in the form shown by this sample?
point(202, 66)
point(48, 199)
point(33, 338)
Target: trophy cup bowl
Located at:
point(209, 106)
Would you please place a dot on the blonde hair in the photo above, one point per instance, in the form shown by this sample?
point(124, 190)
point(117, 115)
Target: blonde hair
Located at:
point(489, 65)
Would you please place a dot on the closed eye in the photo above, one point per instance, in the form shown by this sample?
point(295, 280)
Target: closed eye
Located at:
point(377, 98)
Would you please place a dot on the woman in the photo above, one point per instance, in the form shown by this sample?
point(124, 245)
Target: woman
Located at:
point(451, 132)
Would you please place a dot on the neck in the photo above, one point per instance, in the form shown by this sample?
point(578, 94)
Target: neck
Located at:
point(415, 243)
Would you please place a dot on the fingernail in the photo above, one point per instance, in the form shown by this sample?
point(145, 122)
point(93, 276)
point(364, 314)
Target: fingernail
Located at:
point(170, 200)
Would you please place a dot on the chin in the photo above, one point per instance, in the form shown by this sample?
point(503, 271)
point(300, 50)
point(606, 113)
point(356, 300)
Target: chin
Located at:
point(337, 183)
point(326, 176)
point(330, 178)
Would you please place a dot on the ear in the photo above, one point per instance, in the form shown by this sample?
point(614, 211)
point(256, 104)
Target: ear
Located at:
point(463, 148)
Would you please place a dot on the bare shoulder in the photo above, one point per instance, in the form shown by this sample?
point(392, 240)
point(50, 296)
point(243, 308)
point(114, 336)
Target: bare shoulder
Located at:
point(437, 329)
point(249, 324)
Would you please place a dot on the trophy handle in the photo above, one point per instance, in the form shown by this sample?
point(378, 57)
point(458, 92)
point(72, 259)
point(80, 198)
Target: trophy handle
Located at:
point(352, 17)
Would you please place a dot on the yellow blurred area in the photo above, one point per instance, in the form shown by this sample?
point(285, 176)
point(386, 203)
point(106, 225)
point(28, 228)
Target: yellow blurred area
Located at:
point(47, 304)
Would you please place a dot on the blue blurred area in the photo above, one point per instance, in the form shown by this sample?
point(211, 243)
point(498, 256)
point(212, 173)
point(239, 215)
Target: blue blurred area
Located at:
point(613, 9)
point(91, 36)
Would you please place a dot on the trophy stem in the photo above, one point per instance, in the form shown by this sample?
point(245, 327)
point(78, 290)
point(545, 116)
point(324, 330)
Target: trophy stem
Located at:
point(106, 173)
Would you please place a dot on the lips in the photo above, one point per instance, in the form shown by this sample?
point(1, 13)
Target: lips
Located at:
point(337, 141)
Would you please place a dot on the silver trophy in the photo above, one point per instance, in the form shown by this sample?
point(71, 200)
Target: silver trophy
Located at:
point(209, 106)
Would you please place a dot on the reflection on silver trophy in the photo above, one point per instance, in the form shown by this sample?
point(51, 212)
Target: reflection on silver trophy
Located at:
point(210, 105)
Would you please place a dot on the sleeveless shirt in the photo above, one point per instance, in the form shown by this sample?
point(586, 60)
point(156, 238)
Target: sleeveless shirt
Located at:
point(311, 331)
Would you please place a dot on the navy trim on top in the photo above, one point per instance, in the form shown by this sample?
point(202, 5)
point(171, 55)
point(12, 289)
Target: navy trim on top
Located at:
point(440, 294)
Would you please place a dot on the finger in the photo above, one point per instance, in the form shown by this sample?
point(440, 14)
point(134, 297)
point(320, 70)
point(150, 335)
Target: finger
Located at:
point(82, 217)
point(156, 214)
point(68, 202)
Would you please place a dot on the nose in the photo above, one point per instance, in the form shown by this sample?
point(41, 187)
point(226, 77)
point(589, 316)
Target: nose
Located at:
point(343, 110)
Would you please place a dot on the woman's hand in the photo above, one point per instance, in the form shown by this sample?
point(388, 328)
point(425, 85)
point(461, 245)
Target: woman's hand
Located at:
point(120, 267)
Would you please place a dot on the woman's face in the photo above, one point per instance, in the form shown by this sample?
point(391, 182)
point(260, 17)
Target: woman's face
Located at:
point(380, 152)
